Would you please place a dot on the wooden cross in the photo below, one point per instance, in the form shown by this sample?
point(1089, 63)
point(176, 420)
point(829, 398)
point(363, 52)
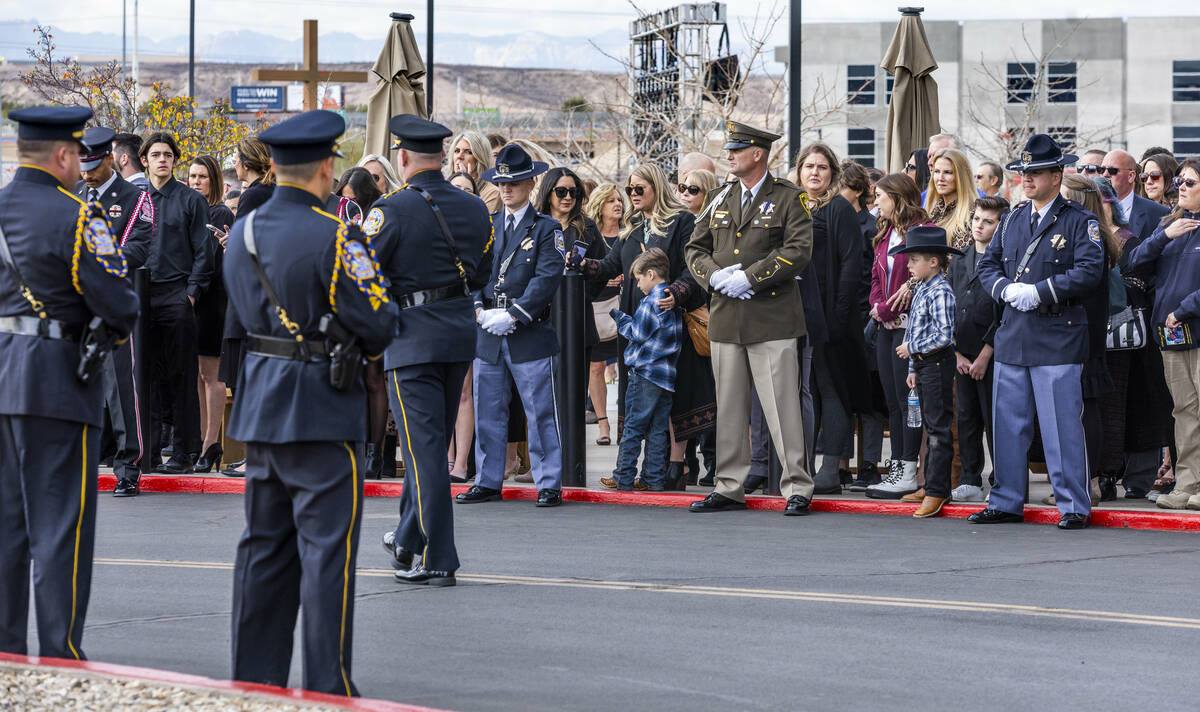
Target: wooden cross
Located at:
point(309, 74)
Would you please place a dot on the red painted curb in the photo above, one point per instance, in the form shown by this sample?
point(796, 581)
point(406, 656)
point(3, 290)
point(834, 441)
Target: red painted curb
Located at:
point(1115, 518)
point(362, 704)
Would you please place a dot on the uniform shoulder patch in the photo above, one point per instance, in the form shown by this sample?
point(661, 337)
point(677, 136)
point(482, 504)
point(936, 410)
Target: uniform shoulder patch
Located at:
point(93, 236)
point(560, 242)
point(803, 198)
point(374, 222)
point(1093, 230)
point(356, 258)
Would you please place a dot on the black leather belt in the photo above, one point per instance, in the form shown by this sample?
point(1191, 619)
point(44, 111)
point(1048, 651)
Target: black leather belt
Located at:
point(932, 354)
point(1056, 309)
point(275, 347)
point(430, 296)
point(33, 326)
point(491, 304)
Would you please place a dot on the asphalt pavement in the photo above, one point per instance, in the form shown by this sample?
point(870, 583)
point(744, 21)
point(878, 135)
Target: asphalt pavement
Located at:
point(599, 607)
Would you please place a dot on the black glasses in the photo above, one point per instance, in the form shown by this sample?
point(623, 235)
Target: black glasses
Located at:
point(1089, 170)
point(1180, 182)
point(910, 167)
point(632, 190)
point(561, 192)
point(689, 189)
point(1112, 170)
point(1151, 176)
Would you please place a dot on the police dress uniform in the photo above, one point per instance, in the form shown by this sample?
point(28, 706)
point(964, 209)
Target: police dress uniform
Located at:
point(130, 214)
point(50, 420)
point(428, 360)
point(527, 267)
point(303, 436)
point(1041, 344)
point(755, 341)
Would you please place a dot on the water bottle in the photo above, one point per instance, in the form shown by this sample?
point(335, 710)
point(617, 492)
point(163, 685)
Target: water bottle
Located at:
point(914, 409)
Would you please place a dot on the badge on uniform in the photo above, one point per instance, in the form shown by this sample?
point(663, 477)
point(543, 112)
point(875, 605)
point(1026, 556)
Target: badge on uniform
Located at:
point(767, 209)
point(115, 211)
point(1058, 242)
point(374, 222)
point(560, 243)
point(1094, 232)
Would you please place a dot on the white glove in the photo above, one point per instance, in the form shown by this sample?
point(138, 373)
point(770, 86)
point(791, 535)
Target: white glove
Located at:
point(497, 322)
point(737, 286)
point(1023, 297)
point(718, 278)
point(508, 323)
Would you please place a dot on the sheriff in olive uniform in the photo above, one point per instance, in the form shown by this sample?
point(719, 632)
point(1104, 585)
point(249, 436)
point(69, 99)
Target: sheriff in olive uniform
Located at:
point(306, 288)
point(749, 245)
point(60, 267)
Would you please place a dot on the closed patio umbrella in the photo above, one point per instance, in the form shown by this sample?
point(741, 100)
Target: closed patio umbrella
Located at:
point(913, 111)
point(399, 74)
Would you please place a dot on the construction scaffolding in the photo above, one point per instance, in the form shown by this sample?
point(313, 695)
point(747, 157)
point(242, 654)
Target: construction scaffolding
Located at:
point(674, 68)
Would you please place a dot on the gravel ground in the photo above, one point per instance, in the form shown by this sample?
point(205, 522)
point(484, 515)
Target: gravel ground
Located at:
point(32, 689)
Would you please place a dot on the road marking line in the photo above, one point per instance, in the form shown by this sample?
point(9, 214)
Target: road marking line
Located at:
point(763, 593)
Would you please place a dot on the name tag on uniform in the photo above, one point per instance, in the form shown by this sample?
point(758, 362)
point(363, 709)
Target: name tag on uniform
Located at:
point(720, 218)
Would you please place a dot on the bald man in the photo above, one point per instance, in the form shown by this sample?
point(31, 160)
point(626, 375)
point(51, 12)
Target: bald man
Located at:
point(1142, 214)
point(695, 161)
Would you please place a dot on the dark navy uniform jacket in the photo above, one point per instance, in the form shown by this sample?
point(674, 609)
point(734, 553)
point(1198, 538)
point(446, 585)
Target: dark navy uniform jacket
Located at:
point(535, 268)
point(1176, 267)
point(414, 256)
point(72, 264)
point(1067, 265)
point(281, 400)
point(130, 216)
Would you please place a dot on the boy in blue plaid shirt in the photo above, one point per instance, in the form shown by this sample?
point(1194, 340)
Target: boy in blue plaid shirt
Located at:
point(929, 347)
point(654, 340)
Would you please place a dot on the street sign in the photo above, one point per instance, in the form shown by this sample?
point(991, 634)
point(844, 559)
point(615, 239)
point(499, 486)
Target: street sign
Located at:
point(256, 98)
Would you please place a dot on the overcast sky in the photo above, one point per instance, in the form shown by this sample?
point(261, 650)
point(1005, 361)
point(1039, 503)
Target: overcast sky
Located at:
point(165, 18)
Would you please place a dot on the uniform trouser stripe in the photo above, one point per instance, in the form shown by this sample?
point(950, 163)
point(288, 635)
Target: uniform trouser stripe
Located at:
point(346, 570)
point(412, 460)
point(78, 530)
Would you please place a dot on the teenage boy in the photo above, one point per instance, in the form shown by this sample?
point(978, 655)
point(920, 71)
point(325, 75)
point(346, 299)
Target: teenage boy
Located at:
point(976, 318)
point(654, 339)
point(928, 346)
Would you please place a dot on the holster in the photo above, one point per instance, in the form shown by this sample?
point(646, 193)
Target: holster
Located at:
point(345, 355)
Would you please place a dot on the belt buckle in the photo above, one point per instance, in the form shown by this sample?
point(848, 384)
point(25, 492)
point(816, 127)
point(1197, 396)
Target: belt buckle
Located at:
point(502, 301)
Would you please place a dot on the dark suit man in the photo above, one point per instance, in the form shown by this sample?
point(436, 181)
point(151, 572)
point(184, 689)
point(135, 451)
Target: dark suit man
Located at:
point(130, 214)
point(71, 268)
point(1142, 214)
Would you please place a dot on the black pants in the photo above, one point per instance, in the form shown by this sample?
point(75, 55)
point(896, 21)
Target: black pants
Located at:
point(893, 374)
point(424, 400)
point(935, 384)
point(47, 515)
point(974, 412)
point(120, 395)
point(304, 505)
point(171, 348)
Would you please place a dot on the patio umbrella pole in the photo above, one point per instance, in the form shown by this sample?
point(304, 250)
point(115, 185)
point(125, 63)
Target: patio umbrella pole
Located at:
point(429, 58)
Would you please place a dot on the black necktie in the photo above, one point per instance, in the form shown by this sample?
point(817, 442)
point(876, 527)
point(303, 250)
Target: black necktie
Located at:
point(510, 231)
point(1033, 222)
point(93, 195)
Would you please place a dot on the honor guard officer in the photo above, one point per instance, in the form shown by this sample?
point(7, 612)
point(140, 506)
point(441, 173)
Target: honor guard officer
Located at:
point(750, 243)
point(307, 290)
point(63, 291)
point(515, 334)
point(433, 242)
point(1046, 257)
point(130, 215)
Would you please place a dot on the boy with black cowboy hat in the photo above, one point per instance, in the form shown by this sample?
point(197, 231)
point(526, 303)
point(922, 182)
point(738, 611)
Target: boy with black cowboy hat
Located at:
point(928, 346)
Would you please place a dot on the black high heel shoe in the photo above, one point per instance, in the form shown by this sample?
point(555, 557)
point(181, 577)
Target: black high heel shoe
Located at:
point(210, 459)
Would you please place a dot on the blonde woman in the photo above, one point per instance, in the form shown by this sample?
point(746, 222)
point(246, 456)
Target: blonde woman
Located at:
point(471, 153)
point(950, 196)
point(659, 220)
point(695, 187)
point(382, 173)
point(607, 208)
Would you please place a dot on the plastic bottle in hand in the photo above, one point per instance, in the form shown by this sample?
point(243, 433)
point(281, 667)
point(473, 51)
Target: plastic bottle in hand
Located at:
point(913, 418)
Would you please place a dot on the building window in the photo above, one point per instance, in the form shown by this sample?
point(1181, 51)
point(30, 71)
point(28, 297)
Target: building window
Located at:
point(1021, 76)
point(860, 146)
point(1064, 136)
point(860, 84)
point(1187, 141)
point(1061, 82)
point(1185, 80)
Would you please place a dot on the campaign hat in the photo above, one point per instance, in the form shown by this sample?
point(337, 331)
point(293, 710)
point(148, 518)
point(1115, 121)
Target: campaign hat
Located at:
point(1041, 152)
point(514, 164)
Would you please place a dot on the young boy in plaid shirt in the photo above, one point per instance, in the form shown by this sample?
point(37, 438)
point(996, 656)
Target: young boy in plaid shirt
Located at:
point(929, 347)
point(654, 340)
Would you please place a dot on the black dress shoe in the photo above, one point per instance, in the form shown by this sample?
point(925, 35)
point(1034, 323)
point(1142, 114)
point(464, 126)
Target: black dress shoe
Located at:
point(1108, 488)
point(126, 488)
point(716, 503)
point(210, 459)
point(754, 482)
point(235, 469)
point(419, 575)
point(549, 498)
point(181, 465)
point(478, 494)
point(402, 559)
point(995, 516)
point(676, 479)
point(868, 474)
point(797, 506)
point(1073, 521)
point(835, 488)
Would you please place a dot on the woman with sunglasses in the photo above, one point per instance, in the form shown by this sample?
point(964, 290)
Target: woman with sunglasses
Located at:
point(659, 220)
point(606, 207)
point(917, 168)
point(1171, 251)
point(1157, 179)
point(695, 187)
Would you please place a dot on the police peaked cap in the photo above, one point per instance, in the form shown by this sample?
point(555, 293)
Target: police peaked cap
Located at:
point(741, 135)
point(97, 143)
point(51, 123)
point(418, 135)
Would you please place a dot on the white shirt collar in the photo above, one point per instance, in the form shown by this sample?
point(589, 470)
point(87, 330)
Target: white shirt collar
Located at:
point(1127, 205)
point(135, 176)
point(107, 184)
point(754, 191)
point(517, 216)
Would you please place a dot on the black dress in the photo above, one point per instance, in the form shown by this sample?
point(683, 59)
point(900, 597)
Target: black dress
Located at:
point(255, 195)
point(604, 351)
point(210, 307)
point(694, 406)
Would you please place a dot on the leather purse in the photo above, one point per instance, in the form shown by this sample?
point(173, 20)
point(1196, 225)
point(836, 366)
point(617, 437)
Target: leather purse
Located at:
point(696, 322)
point(606, 328)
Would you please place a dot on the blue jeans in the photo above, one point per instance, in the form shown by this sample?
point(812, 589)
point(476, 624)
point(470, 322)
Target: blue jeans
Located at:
point(647, 416)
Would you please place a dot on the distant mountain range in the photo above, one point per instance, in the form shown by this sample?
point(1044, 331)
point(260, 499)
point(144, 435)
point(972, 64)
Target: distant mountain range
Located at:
point(526, 49)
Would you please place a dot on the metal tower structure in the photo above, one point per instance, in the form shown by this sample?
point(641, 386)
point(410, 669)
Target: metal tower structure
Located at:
point(670, 58)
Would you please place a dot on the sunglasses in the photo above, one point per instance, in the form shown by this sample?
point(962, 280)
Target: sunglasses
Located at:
point(1151, 176)
point(632, 190)
point(1180, 182)
point(1089, 170)
point(561, 192)
point(689, 189)
point(1112, 170)
point(910, 167)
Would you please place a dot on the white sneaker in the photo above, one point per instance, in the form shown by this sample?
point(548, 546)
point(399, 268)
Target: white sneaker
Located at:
point(901, 480)
point(967, 493)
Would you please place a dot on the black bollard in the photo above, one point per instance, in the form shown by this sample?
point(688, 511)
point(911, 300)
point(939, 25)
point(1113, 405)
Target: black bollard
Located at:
point(570, 377)
point(141, 367)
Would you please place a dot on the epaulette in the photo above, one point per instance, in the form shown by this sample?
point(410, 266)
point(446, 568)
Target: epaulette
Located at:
point(787, 183)
point(331, 216)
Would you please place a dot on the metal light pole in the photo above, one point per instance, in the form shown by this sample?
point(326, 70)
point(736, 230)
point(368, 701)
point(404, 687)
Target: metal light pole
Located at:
point(135, 48)
point(124, 14)
point(795, 99)
point(429, 58)
point(192, 49)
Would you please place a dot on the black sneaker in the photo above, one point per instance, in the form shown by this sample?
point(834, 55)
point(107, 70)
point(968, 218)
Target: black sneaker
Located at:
point(868, 474)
